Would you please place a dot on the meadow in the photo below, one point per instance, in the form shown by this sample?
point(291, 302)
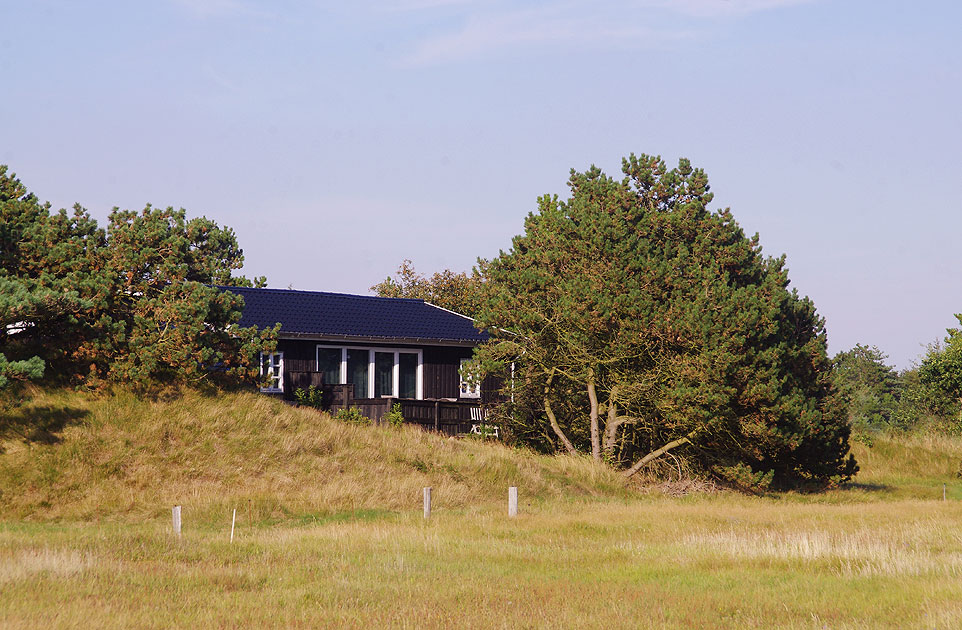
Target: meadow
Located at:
point(330, 531)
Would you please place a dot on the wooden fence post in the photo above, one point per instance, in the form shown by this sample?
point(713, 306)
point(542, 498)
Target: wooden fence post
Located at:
point(427, 502)
point(175, 516)
point(437, 416)
point(513, 501)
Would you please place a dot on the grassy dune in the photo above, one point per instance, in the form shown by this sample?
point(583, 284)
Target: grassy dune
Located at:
point(88, 544)
point(120, 457)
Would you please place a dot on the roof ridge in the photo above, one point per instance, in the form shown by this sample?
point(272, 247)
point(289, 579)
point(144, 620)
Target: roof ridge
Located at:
point(447, 310)
point(350, 295)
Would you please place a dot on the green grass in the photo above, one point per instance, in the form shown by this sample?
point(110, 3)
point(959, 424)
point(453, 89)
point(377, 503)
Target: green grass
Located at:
point(708, 562)
point(88, 542)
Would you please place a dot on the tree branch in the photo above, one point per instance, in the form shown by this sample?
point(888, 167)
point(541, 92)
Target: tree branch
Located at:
point(656, 454)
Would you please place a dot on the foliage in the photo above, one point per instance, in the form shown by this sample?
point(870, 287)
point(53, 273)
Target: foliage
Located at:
point(46, 284)
point(31, 368)
point(352, 415)
point(940, 373)
point(741, 476)
point(135, 303)
point(869, 388)
point(310, 397)
point(395, 417)
point(458, 292)
point(641, 322)
point(920, 405)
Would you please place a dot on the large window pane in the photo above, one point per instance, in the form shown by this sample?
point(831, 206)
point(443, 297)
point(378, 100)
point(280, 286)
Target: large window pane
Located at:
point(383, 374)
point(329, 364)
point(408, 381)
point(357, 367)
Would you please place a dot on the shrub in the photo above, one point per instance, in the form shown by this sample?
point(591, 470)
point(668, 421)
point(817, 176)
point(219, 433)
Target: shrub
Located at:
point(395, 417)
point(310, 397)
point(352, 415)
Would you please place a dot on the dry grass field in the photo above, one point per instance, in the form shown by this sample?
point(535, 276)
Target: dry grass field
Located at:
point(330, 532)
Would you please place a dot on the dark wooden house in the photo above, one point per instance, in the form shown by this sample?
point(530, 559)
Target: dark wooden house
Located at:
point(371, 352)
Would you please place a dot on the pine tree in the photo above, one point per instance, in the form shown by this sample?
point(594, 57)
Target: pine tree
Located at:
point(135, 303)
point(645, 322)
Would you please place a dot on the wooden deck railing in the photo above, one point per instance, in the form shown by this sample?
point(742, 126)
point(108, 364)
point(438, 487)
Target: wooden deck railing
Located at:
point(449, 416)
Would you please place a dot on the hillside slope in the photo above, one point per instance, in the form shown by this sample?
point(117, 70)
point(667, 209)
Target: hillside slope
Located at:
point(120, 457)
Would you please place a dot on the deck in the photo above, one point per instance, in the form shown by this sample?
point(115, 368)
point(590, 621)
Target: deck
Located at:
point(444, 415)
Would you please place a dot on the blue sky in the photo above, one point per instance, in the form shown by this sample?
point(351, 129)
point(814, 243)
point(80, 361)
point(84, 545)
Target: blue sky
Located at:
point(339, 138)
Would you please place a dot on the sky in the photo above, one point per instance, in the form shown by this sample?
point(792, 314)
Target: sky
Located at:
point(339, 138)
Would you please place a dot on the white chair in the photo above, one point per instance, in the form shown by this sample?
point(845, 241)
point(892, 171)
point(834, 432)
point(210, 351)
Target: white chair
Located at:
point(479, 416)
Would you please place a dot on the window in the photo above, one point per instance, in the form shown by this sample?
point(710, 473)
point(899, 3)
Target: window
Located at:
point(329, 363)
point(383, 374)
point(408, 363)
point(358, 369)
point(374, 372)
point(272, 367)
point(470, 381)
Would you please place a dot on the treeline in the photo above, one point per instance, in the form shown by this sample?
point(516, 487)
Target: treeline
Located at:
point(134, 302)
point(879, 397)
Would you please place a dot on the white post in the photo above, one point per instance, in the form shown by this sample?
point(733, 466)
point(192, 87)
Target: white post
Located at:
point(513, 501)
point(232, 521)
point(427, 502)
point(175, 515)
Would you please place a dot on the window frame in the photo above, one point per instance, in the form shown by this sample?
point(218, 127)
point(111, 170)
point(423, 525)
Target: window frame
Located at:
point(279, 377)
point(395, 372)
point(466, 390)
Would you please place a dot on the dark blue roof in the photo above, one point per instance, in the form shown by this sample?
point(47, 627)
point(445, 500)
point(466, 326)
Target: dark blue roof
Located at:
point(343, 315)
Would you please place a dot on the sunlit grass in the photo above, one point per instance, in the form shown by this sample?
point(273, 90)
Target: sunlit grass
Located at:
point(330, 532)
point(125, 458)
point(707, 563)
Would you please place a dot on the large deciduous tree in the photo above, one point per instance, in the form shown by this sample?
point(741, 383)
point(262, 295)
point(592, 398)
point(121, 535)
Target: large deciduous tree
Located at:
point(455, 291)
point(641, 322)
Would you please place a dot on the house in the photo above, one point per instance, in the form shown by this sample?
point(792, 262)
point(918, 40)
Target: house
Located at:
point(370, 352)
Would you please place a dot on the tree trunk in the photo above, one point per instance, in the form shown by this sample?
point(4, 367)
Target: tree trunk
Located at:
point(656, 454)
point(611, 426)
point(554, 421)
point(595, 431)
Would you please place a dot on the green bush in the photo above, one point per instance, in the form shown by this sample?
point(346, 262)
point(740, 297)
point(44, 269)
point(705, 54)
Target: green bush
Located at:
point(395, 417)
point(310, 397)
point(352, 415)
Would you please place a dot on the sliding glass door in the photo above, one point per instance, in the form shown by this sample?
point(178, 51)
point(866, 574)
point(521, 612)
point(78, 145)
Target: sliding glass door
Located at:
point(383, 374)
point(408, 375)
point(374, 372)
point(329, 364)
point(358, 366)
